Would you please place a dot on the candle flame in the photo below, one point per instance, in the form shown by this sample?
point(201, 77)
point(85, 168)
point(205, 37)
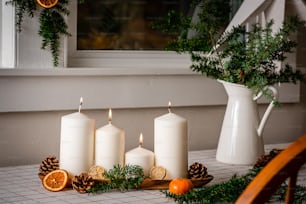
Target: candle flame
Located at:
point(169, 106)
point(140, 139)
point(81, 103)
point(110, 115)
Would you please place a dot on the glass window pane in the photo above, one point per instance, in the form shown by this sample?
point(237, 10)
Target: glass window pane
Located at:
point(124, 24)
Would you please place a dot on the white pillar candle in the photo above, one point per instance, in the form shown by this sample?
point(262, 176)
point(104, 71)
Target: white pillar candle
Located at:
point(77, 142)
point(171, 144)
point(140, 156)
point(110, 145)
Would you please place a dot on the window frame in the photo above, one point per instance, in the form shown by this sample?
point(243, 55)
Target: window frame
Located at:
point(7, 36)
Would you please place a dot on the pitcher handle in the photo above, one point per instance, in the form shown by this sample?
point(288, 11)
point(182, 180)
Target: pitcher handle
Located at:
point(269, 109)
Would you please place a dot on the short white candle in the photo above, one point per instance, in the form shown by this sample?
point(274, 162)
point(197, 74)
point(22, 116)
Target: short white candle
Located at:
point(110, 145)
point(140, 156)
point(171, 144)
point(77, 142)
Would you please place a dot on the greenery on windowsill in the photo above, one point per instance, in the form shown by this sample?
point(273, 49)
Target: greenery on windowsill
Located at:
point(52, 24)
point(238, 56)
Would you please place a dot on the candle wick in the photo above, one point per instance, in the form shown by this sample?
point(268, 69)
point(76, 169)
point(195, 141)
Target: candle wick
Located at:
point(80, 106)
point(169, 107)
point(110, 116)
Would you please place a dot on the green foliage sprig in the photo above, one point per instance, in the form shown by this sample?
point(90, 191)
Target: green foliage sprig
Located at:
point(23, 7)
point(120, 178)
point(52, 22)
point(229, 191)
point(52, 27)
point(238, 56)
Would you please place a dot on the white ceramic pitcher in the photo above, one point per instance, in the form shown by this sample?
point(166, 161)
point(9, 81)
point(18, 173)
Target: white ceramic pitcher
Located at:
point(241, 140)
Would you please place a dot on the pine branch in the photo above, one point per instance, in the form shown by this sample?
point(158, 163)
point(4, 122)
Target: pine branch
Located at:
point(52, 27)
point(230, 190)
point(120, 178)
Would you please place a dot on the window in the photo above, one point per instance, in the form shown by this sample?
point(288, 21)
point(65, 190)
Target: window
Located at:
point(124, 25)
point(118, 34)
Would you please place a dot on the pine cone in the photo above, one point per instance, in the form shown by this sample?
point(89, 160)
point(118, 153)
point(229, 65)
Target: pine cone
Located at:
point(82, 183)
point(262, 161)
point(48, 165)
point(265, 159)
point(197, 171)
point(275, 152)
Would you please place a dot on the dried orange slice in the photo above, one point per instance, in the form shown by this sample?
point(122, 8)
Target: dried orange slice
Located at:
point(56, 180)
point(158, 173)
point(96, 172)
point(47, 3)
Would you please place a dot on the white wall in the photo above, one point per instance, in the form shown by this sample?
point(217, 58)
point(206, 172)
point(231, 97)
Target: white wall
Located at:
point(34, 97)
point(28, 137)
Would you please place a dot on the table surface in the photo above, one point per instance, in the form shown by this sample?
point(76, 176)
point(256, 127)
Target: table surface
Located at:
point(20, 184)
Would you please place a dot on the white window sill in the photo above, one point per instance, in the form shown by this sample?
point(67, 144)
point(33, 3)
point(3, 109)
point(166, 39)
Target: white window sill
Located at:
point(84, 71)
point(61, 89)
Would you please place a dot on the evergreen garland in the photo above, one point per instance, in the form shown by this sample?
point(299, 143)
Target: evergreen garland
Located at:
point(52, 22)
point(120, 178)
point(229, 191)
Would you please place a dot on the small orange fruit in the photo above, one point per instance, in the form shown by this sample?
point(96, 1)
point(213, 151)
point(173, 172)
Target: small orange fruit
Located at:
point(47, 3)
point(180, 186)
point(56, 180)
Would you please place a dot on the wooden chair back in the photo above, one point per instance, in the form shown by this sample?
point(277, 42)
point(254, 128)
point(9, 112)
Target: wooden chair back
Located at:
point(285, 165)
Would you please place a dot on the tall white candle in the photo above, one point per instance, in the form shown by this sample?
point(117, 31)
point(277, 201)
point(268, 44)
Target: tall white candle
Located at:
point(110, 145)
point(171, 144)
point(77, 142)
point(140, 156)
